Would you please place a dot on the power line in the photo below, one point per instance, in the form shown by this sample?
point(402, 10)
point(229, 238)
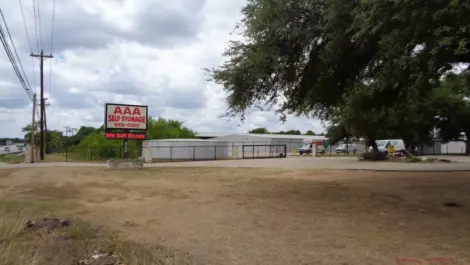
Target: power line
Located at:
point(52, 47)
point(14, 48)
point(36, 25)
point(52, 27)
point(25, 26)
point(39, 24)
point(14, 62)
point(29, 42)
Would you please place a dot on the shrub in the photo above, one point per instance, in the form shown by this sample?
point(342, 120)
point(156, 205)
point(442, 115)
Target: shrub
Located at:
point(374, 156)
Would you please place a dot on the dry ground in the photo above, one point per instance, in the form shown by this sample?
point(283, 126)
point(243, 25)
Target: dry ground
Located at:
point(260, 216)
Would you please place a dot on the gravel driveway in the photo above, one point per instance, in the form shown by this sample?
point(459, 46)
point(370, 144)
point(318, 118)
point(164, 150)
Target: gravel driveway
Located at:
point(348, 163)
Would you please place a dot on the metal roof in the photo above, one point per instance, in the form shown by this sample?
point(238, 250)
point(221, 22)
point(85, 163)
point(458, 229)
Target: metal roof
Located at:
point(212, 134)
point(278, 136)
point(178, 140)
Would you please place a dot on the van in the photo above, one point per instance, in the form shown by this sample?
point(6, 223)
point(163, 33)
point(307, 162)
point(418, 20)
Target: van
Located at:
point(398, 144)
point(307, 149)
point(346, 148)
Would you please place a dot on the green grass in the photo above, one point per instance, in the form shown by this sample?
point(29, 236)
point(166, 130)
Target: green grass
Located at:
point(12, 159)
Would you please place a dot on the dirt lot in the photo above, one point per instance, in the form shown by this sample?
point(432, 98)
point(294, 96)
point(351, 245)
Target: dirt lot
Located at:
point(264, 216)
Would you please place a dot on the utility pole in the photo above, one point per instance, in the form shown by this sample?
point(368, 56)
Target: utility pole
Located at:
point(33, 130)
point(67, 130)
point(42, 57)
point(46, 135)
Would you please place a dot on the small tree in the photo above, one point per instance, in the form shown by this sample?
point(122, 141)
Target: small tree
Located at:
point(259, 131)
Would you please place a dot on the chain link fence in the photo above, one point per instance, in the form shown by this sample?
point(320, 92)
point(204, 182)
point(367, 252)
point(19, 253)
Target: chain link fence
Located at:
point(236, 150)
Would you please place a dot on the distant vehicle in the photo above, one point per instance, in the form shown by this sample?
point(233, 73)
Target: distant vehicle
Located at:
point(346, 148)
point(307, 149)
point(398, 145)
point(6, 149)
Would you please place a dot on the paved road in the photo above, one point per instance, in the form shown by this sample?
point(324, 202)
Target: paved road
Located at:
point(348, 163)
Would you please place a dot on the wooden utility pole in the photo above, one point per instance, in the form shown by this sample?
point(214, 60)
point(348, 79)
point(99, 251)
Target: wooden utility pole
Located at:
point(42, 57)
point(46, 136)
point(33, 130)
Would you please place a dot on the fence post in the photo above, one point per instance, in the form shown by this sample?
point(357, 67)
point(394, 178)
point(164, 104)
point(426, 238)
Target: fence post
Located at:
point(253, 152)
point(91, 153)
point(171, 152)
point(194, 152)
point(66, 152)
point(215, 152)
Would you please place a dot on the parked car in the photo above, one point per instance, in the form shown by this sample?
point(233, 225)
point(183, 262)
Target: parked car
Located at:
point(6, 149)
point(346, 148)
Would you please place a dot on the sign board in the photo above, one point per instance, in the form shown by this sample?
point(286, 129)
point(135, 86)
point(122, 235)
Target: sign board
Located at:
point(125, 117)
point(125, 136)
point(391, 150)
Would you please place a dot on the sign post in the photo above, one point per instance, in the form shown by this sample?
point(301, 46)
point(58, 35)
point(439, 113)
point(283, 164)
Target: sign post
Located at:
point(126, 151)
point(391, 151)
point(125, 122)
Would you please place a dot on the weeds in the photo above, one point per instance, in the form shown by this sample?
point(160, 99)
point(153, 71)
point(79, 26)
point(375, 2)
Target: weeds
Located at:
point(69, 245)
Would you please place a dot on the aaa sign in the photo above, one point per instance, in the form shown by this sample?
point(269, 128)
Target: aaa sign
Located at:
point(126, 117)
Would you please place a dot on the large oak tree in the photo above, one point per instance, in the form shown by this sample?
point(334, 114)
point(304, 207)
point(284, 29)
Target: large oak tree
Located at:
point(357, 59)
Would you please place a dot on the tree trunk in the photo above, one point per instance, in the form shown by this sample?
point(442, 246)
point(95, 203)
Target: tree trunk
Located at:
point(373, 144)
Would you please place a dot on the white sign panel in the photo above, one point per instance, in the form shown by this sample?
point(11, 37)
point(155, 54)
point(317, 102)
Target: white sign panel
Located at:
point(126, 117)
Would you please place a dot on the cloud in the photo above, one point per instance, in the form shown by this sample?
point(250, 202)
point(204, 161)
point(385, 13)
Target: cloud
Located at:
point(148, 52)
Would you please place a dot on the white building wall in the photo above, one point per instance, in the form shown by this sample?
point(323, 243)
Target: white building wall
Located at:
point(188, 149)
point(290, 144)
point(453, 148)
point(235, 144)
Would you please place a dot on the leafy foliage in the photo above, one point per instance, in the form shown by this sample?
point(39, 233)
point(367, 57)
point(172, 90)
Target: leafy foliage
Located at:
point(259, 131)
point(371, 64)
point(54, 138)
point(452, 101)
point(310, 132)
point(96, 145)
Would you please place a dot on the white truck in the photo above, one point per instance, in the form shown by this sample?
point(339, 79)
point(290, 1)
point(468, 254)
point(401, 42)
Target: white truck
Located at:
point(398, 144)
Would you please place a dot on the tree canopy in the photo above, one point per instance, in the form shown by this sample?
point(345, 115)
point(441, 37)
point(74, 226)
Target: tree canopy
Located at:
point(372, 64)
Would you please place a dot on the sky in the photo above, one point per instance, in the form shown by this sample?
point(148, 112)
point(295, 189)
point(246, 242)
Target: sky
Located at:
point(146, 52)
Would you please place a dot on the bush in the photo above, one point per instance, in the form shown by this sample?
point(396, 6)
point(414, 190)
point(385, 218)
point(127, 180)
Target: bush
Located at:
point(374, 156)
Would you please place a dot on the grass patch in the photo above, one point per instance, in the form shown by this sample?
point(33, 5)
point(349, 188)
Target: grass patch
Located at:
point(70, 245)
point(12, 159)
point(30, 207)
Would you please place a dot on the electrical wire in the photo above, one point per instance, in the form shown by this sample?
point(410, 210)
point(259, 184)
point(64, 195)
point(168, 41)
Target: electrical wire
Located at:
point(14, 48)
point(29, 42)
point(14, 61)
point(52, 47)
point(39, 23)
point(36, 25)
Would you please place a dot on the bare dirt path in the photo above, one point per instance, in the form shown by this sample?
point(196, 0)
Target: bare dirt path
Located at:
point(239, 216)
point(460, 163)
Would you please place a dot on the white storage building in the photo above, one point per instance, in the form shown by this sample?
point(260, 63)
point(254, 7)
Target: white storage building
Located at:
point(263, 143)
point(187, 149)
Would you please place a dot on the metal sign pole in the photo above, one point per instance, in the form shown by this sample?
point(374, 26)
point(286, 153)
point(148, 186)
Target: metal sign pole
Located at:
point(126, 153)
